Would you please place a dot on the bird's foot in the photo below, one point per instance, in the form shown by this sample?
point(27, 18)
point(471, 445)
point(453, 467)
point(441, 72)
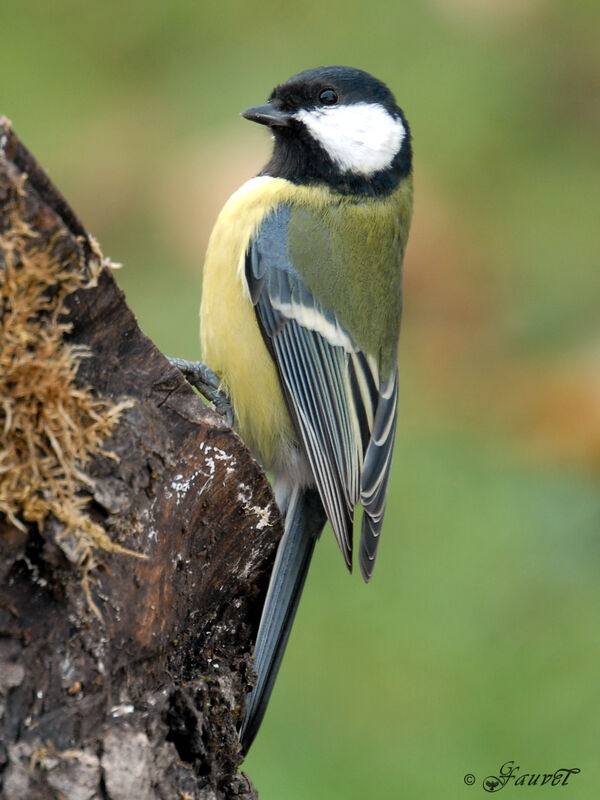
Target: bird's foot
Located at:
point(207, 382)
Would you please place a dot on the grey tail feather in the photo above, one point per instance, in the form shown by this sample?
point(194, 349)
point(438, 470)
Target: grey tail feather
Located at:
point(304, 520)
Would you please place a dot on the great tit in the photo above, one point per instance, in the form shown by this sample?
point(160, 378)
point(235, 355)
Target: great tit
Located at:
point(300, 317)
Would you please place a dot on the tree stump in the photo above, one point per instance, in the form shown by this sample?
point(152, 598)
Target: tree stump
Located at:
point(133, 565)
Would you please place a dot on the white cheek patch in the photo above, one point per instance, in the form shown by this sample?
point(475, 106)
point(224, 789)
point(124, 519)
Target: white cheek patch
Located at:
point(361, 138)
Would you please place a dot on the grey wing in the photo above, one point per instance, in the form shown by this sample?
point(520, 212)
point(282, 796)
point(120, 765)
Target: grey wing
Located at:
point(345, 415)
point(376, 473)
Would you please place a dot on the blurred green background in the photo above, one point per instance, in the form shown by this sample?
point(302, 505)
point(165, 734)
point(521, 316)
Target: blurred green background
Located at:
point(478, 640)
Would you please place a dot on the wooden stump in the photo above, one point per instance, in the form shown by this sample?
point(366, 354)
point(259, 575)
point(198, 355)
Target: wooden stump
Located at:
point(121, 677)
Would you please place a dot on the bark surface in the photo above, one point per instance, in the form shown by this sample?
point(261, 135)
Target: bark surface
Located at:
point(123, 676)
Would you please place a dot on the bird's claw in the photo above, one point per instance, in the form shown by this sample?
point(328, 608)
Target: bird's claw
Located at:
point(208, 384)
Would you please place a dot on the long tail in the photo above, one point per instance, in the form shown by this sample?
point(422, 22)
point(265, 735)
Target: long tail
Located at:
point(304, 520)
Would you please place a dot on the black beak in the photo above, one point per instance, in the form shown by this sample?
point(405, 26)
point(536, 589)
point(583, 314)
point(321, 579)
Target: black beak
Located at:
point(268, 115)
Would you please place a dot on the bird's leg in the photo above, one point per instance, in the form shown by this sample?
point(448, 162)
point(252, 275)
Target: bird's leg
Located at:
point(207, 382)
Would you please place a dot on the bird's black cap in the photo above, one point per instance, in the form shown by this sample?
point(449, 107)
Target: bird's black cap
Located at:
point(352, 86)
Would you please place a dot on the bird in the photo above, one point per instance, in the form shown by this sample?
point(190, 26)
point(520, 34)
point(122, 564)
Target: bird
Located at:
point(300, 320)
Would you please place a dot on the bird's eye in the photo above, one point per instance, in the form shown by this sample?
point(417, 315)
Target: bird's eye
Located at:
point(328, 97)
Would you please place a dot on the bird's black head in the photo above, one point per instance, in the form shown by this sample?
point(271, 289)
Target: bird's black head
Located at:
point(339, 126)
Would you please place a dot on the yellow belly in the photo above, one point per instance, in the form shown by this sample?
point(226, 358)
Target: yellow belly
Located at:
point(231, 341)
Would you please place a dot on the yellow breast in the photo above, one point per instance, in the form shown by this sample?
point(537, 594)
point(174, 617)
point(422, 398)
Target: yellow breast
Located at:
point(231, 341)
point(232, 344)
